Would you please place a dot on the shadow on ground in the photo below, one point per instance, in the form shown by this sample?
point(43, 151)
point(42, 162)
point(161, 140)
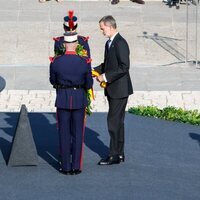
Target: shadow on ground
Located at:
point(195, 137)
point(45, 135)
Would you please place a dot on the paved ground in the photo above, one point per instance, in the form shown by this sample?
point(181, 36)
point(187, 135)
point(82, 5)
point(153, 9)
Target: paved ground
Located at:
point(156, 36)
point(178, 77)
point(162, 158)
point(155, 32)
point(162, 162)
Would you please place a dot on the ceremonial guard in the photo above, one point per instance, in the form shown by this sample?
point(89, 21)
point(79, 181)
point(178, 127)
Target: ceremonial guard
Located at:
point(71, 75)
point(70, 25)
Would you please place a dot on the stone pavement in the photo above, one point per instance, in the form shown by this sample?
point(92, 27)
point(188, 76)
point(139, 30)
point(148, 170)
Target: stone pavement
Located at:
point(43, 100)
point(155, 33)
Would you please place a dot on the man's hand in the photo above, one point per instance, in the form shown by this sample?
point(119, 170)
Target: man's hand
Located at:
point(100, 78)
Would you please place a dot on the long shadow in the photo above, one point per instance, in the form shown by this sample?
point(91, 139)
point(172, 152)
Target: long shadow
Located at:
point(169, 44)
point(7, 124)
point(196, 137)
point(45, 135)
point(94, 143)
point(5, 148)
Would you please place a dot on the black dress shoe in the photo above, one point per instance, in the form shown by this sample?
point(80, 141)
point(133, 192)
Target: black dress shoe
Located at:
point(64, 172)
point(121, 158)
point(109, 160)
point(75, 171)
point(114, 2)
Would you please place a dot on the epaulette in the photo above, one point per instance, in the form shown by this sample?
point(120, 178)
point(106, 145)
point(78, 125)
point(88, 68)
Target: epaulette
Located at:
point(88, 60)
point(52, 59)
point(84, 38)
point(57, 38)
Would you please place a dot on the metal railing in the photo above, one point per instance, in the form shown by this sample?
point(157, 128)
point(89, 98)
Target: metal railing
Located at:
point(196, 3)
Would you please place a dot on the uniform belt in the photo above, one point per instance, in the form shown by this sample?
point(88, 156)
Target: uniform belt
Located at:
point(68, 87)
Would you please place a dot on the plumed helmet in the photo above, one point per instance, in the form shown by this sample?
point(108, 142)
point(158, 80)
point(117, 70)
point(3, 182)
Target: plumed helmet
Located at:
point(70, 21)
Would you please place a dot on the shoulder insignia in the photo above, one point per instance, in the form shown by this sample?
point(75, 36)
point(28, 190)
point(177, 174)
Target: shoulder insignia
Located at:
point(89, 60)
point(57, 39)
point(52, 59)
point(84, 38)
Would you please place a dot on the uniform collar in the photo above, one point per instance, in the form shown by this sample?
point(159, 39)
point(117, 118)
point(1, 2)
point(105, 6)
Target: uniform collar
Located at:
point(70, 52)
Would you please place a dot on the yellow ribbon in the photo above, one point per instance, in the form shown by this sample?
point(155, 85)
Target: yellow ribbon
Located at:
point(96, 74)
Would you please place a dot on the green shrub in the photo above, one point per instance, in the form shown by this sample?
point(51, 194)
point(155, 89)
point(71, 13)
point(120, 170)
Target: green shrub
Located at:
point(168, 113)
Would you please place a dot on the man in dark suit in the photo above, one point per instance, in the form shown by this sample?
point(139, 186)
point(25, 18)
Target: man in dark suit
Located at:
point(70, 25)
point(71, 75)
point(115, 72)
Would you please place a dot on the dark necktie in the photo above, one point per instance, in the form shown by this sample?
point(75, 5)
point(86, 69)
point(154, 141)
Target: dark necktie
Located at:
point(108, 45)
point(109, 41)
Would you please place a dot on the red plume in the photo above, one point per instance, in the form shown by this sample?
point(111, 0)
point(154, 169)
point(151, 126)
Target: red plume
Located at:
point(70, 14)
point(71, 22)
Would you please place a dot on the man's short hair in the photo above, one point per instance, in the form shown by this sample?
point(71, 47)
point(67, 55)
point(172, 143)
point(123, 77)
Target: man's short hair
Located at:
point(109, 21)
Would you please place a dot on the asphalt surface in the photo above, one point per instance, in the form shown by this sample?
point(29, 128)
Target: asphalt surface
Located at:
point(162, 162)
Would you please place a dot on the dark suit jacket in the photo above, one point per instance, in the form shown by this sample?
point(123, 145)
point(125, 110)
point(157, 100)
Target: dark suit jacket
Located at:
point(116, 68)
point(71, 70)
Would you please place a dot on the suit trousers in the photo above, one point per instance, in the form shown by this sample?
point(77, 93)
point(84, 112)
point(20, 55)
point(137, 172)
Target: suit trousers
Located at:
point(115, 120)
point(71, 127)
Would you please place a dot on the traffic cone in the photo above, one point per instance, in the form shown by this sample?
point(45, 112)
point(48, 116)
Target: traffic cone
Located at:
point(23, 150)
